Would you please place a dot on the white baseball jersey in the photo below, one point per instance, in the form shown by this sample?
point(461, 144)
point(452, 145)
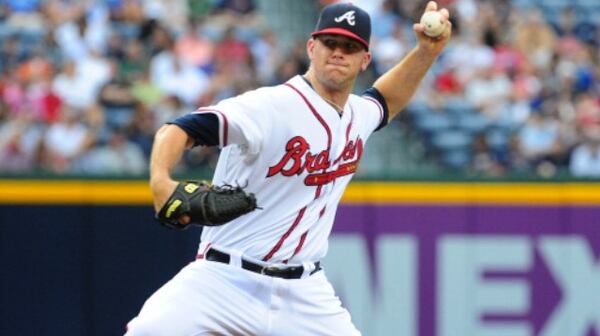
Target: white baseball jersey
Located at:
point(296, 153)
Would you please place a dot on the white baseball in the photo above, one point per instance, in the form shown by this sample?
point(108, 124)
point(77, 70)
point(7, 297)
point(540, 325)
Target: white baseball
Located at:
point(433, 22)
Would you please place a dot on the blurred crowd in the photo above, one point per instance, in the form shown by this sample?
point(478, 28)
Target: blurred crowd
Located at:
point(515, 91)
point(85, 84)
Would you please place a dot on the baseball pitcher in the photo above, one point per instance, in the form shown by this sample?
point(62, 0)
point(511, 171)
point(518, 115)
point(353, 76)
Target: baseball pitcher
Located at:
point(288, 153)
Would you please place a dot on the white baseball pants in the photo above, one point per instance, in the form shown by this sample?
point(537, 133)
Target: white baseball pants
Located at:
point(212, 298)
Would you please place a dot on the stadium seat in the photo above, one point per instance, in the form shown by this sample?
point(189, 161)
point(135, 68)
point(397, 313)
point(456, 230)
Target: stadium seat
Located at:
point(433, 122)
point(418, 108)
point(497, 138)
point(456, 159)
point(472, 122)
point(459, 106)
point(452, 139)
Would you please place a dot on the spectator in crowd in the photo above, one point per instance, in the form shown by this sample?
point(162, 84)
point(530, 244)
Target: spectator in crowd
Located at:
point(20, 139)
point(266, 55)
point(524, 86)
point(145, 91)
point(174, 76)
point(569, 25)
point(95, 70)
point(387, 18)
point(132, 65)
point(585, 160)
point(540, 140)
point(66, 141)
point(116, 99)
point(535, 38)
point(73, 88)
point(485, 161)
point(468, 55)
point(194, 48)
point(489, 90)
point(141, 129)
point(232, 50)
point(10, 55)
point(587, 111)
point(390, 49)
point(118, 156)
point(88, 31)
point(171, 14)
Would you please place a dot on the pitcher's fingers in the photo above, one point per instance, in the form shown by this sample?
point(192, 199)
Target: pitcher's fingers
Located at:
point(184, 219)
point(419, 28)
point(431, 6)
point(445, 13)
point(448, 30)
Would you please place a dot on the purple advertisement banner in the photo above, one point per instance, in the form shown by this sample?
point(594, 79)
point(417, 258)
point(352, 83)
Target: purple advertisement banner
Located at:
point(468, 270)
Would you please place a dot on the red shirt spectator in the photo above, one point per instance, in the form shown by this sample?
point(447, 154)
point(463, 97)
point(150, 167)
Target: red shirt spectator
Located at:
point(232, 50)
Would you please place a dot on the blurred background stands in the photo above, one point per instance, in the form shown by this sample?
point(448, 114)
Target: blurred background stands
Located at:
point(84, 82)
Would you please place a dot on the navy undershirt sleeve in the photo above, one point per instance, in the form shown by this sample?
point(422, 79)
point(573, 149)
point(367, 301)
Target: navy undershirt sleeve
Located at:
point(375, 94)
point(202, 127)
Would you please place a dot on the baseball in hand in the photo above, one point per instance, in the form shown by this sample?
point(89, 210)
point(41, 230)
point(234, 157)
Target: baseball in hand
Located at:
point(433, 23)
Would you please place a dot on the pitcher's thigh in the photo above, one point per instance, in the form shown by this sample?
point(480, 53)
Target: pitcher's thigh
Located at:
point(197, 301)
point(314, 309)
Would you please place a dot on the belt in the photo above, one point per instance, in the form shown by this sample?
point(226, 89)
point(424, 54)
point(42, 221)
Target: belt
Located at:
point(291, 272)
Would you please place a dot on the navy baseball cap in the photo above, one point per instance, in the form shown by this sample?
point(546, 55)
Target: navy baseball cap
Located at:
point(345, 19)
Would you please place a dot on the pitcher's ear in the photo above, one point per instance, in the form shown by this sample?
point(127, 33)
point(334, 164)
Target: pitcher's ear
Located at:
point(310, 46)
point(366, 61)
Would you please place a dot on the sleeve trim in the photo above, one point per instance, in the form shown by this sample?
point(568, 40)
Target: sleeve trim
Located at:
point(381, 114)
point(223, 124)
point(373, 95)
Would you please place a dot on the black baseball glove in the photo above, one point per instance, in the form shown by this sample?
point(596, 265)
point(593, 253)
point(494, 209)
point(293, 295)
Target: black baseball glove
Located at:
point(205, 204)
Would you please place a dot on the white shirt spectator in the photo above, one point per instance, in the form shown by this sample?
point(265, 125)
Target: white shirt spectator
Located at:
point(585, 160)
point(95, 70)
point(70, 41)
point(490, 91)
point(389, 50)
point(539, 136)
point(172, 13)
point(76, 45)
point(468, 55)
point(66, 139)
point(73, 89)
point(79, 84)
point(98, 29)
point(174, 77)
point(467, 10)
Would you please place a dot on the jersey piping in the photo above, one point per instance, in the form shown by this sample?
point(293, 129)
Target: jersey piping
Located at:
point(317, 192)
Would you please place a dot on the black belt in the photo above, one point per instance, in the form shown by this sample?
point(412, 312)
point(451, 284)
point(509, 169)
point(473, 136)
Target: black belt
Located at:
point(291, 272)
